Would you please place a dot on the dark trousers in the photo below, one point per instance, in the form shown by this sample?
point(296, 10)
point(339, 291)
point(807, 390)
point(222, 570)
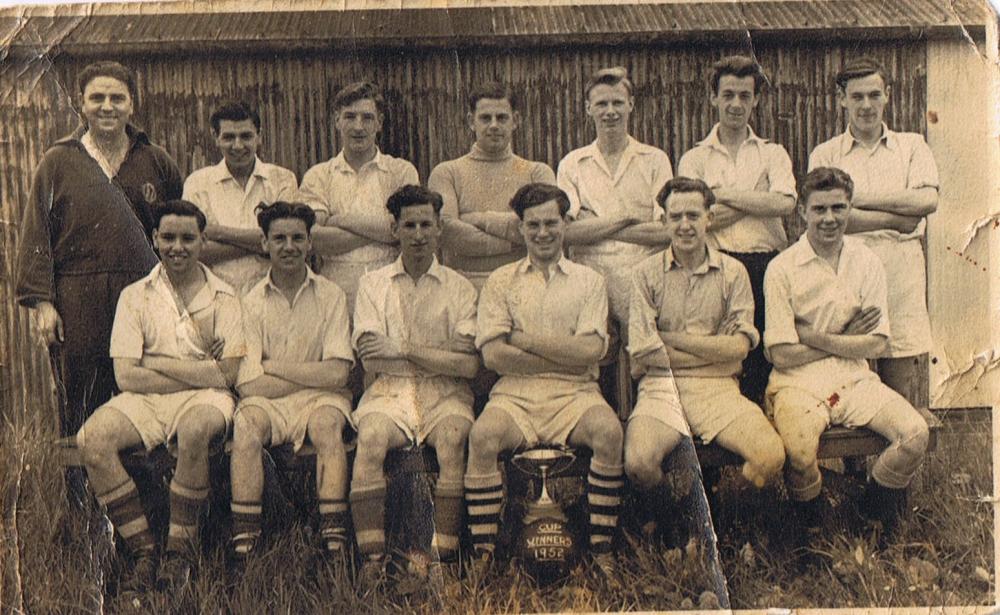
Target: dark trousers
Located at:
point(756, 368)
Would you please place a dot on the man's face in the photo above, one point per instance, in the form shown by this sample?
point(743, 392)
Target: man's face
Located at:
point(826, 215)
point(865, 99)
point(543, 228)
point(107, 106)
point(358, 124)
point(609, 106)
point(687, 221)
point(418, 230)
point(735, 101)
point(238, 142)
point(494, 122)
point(288, 244)
point(179, 242)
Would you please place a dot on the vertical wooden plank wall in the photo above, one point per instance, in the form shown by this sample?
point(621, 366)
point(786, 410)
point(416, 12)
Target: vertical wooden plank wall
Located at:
point(425, 92)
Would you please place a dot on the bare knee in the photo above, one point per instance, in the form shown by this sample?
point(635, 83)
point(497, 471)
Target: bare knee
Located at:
point(195, 432)
point(247, 435)
point(326, 428)
point(643, 468)
point(449, 443)
point(606, 439)
point(97, 448)
point(484, 441)
point(373, 443)
point(800, 456)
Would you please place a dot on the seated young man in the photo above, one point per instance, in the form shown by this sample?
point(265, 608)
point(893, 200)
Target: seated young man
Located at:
point(826, 314)
point(542, 325)
point(690, 326)
point(293, 379)
point(414, 329)
point(176, 344)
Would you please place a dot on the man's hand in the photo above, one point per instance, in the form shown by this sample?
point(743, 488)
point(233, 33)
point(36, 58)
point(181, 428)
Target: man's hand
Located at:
point(723, 215)
point(864, 321)
point(218, 345)
point(730, 325)
point(49, 323)
point(376, 346)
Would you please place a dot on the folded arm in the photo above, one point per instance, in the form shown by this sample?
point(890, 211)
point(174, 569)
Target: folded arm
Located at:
point(134, 378)
point(268, 386)
point(578, 350)
point(645, 233)
point(506, 359)
point(861, 220)
point(249, 239)
point(917, 202)
point(207, 373)
point(763, 204)
point(588, 230)
point(374, 228)
point(468, 240)
point(710, 348)
point(330, 374)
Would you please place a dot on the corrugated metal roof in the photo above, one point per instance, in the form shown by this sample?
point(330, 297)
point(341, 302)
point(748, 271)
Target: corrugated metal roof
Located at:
point(500, 26)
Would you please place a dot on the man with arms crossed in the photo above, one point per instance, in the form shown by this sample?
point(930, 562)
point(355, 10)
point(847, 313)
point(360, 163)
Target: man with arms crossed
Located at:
point(754, 187)
point(542, 325)
point(896, 183)
point(414, 328)
point(480, 230)
point(691, 325)
point(349, 192)
point(612, 186)
point(229, 191)
point(292, 382)
point(176, 344)
point(826, 307)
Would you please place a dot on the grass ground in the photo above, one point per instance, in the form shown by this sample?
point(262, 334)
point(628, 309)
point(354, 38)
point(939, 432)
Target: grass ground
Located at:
point(942, 553)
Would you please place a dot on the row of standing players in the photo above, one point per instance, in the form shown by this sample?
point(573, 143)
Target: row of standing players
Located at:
point(610, 189)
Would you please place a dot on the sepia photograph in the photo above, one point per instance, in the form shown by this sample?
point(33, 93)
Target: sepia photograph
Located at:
point(498, 306)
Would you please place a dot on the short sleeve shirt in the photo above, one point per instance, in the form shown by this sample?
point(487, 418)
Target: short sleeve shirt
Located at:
point(224, 202)
point(334, 187)
point(150, 320)
point(758, 163)
point(315, 326)
point(899, 161)
point(437, 311)
point(630, 191)
point(665, 297)
point(799, 286)
point(573, 301)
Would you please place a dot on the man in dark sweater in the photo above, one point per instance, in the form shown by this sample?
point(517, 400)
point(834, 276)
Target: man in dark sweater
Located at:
point(85, 235)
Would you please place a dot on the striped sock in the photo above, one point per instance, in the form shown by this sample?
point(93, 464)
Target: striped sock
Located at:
point(368, 513)
point(604, 487)
point(185, 508)
point(126, 514)
point(246, 526)
point(448, 505)
point(483, 499)
point(333, 518)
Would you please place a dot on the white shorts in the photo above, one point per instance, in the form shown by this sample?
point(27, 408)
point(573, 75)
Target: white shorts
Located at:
point(416, 405)
point(659, 399)
point(712, 404)
point(546, 410)
point(852, 405)
point(155, 415)
point(290, 415)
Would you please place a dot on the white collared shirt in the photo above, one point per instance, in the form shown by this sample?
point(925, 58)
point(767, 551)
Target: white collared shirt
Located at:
point(758, 162)
point(224, 202)
point(150, 320)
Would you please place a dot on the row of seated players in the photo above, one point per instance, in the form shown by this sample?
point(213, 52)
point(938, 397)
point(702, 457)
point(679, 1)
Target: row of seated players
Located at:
point(182, 340)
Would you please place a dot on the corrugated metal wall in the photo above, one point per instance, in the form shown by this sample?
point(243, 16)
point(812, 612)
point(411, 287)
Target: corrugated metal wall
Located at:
point(425, 94)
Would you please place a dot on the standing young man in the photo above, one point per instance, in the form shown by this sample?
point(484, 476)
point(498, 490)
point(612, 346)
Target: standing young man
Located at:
point(229, 192)
point(414, 328)
point(826, 314)
point(480, 230)
point(612, 186)
point(691, 324)
point(293, 380)
point(542, 325)
point(754, 187)
point(896, 187)
point(349, 192)
point(176, 344)
point(85, 235)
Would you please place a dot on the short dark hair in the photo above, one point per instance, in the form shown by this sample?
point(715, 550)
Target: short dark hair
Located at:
point(178, 207)
point(824, 179)
point(738, 66)
point(359, 90)
point(685, 184)
point(233, 111)
point(107, 68)
point(493, 90)
point(608, 76)
point(861, 67)
point(410, 195)
point(535, 194)
point(266, 214)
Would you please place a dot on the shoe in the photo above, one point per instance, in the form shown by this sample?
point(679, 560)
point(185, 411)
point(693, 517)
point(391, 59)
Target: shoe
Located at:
point(175, 574)
point(605, 566)
point(371, 576)
point(236, 566)
point(142, 577)
point(885, 506)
